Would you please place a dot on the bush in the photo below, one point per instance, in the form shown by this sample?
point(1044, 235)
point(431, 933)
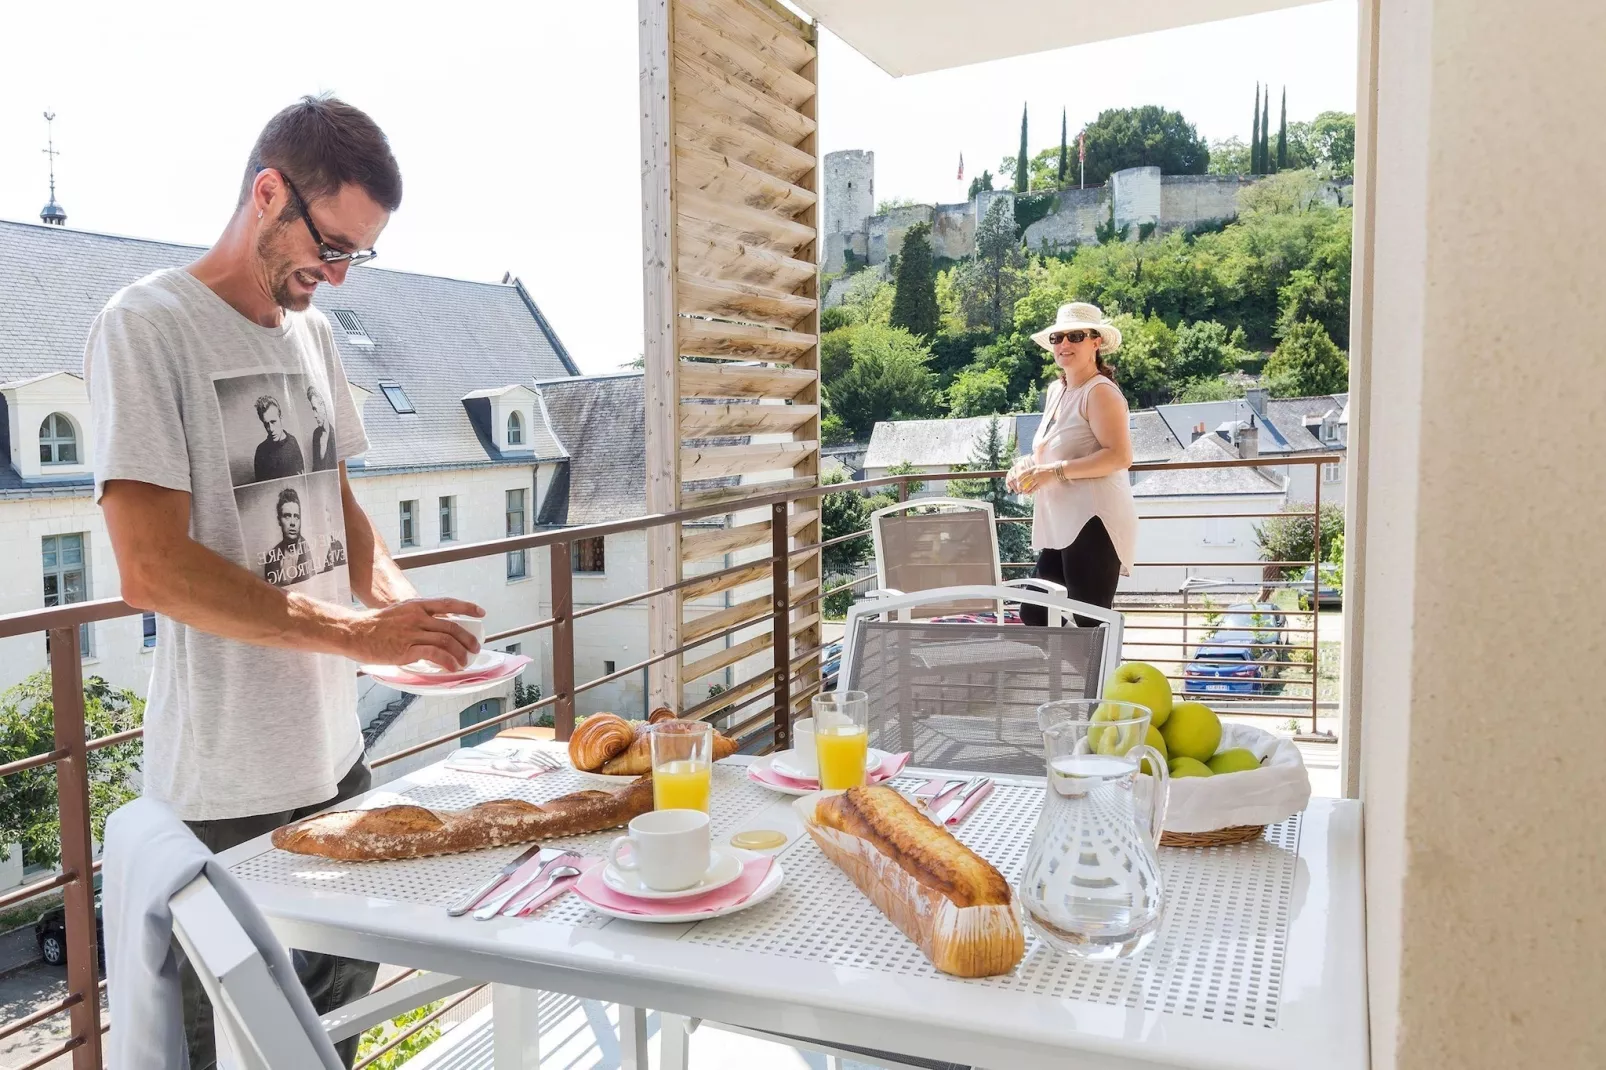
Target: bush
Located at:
point(1292, 538)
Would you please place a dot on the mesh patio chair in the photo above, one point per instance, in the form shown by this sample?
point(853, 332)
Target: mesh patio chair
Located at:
point(965, 696)
point(950, 542)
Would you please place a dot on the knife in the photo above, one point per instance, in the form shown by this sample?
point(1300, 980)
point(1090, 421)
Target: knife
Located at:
point(958, 802)
point(465, 904)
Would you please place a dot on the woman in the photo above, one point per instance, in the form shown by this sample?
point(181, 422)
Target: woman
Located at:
point(1084, 524)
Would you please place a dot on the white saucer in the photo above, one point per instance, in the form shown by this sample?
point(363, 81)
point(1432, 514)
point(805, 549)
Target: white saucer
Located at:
point(397, 678)
point(485, 659)
point(724, 869)
point(786, 765)
point(607, 778)
point(771, 883)
point(762, 763)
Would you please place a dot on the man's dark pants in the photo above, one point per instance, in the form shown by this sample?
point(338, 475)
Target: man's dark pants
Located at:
point(331, 981)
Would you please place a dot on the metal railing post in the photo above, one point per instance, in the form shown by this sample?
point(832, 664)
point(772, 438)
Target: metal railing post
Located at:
point(781, 628)
point(77, 850)
point(1316, 601)
point(562, 639)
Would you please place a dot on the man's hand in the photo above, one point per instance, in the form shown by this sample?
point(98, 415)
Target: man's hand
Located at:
point(414, 630)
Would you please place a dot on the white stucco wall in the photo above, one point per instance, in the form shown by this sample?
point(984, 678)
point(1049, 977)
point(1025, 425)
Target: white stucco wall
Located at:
point(1207, 539)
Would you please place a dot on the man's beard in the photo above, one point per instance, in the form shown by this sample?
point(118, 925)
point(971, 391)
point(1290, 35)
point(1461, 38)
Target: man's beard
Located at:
point(279, 269)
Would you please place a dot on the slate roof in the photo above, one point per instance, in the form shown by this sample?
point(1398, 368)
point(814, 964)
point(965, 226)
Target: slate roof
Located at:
point(929, 442)
point(1207, 482)
point(439, 338)
point(601, 422)
point(1289, 416)
point(1152, 440)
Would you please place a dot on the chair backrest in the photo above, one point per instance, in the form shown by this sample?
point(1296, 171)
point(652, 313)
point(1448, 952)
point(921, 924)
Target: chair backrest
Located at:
point(965, 696)
point(256, 1022)
point(949, 542)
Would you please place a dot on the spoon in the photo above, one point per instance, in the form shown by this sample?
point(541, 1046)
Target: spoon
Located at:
point(557, 874)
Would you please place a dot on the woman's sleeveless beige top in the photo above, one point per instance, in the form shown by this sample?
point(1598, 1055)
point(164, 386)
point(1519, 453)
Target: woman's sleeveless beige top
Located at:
point(1061, 509)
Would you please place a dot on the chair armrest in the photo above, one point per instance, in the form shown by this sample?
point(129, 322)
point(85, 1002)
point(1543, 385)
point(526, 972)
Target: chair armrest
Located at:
point(882, 592)
point(1036, 584)
point(363, 1014)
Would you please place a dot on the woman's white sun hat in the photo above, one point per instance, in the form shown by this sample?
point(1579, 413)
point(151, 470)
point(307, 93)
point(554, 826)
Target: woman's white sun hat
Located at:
point(1083, 316)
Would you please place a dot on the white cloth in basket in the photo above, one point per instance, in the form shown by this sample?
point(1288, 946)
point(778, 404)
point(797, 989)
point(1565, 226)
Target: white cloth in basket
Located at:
point(1279, 789)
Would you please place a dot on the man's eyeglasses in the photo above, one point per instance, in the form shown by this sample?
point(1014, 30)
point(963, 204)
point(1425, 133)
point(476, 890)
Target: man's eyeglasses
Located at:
point(1073, 337)
point(326, 252)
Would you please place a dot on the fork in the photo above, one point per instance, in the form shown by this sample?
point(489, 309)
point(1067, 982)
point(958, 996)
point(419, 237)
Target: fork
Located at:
point(561, 867)
point(494, 905)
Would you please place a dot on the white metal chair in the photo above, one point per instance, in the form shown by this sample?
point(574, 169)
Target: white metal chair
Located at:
point(948, 542)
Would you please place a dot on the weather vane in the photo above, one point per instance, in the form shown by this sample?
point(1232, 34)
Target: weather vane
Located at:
point(52, 212)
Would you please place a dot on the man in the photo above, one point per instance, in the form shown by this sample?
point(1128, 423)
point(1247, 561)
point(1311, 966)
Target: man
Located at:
point(251, 720)
point(290, 561)
point(279, 454)
point(323, 443)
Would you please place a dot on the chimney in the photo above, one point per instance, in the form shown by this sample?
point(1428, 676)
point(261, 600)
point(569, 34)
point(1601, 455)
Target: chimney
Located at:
point(1256, 396)
point(1198, 432)
point(1249, 441)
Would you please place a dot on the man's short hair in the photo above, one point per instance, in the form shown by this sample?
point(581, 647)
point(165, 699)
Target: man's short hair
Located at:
point(288, 494)
point(267, 401)
point(322, 143)
point(312, 393)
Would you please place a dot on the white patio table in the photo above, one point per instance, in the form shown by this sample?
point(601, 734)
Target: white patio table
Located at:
point(1260, 965)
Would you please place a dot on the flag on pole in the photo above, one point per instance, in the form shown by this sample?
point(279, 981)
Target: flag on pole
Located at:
point(961, 167)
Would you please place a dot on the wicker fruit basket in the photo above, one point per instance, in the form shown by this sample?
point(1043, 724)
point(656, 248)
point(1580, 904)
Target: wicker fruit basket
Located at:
point(1236, 807)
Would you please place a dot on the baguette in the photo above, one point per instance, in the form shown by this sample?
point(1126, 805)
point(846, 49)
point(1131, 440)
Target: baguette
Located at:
point(406, 831)
point(954, 905)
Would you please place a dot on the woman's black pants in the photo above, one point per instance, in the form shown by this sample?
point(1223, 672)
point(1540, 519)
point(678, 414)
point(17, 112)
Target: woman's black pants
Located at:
point(1089, 568)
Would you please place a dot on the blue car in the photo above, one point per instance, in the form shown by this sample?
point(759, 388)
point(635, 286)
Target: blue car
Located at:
point(1228, 670)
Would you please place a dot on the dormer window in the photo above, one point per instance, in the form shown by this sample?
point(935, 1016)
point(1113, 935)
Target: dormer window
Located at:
point(58, 440)
point(515, 429)
point(1329, 429)
point(397, 397)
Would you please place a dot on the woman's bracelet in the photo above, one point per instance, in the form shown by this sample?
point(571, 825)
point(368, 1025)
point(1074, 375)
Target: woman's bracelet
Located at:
point(1059, 473)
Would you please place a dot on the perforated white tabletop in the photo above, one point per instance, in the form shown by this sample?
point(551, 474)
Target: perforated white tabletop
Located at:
point(1260, 962)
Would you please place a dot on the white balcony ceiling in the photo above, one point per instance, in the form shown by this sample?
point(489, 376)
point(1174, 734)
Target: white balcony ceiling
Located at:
point(915, 36)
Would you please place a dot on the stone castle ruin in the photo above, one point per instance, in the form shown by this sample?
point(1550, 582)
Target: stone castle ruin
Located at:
point(1144, 201)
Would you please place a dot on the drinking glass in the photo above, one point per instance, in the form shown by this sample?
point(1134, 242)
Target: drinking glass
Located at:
point(842, 737)
point(682, 764)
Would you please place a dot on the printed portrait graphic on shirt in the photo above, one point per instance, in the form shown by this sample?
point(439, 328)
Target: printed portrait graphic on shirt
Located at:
point(275, 425)
point(294, 530)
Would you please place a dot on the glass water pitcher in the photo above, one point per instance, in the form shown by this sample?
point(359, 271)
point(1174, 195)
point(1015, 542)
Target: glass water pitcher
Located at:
point(1092, 884)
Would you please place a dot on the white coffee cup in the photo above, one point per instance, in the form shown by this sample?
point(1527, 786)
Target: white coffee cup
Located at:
point(669, 849)
point(474, 626)
point(803, 752)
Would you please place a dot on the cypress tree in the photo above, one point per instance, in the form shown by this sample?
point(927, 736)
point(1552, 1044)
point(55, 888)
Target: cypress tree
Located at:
point(1065, 153)
point(1282, 135)
point(1254, 137)
point(1022, 161)
point(1265, 133)
point(914, 300)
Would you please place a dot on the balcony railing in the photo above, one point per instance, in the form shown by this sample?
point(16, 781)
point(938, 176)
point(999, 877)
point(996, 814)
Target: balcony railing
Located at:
point(756, 711)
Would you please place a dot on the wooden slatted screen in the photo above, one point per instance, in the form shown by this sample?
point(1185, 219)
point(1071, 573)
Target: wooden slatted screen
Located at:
point(731, 185)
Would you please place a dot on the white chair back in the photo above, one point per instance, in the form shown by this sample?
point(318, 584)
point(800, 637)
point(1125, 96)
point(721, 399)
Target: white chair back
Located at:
point(257, 1025)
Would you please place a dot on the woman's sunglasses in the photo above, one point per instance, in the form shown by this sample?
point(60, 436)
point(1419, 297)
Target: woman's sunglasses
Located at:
point(1073, 337)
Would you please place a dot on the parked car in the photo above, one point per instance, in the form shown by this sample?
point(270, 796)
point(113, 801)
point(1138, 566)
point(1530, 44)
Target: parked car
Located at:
point(830, 666)
point(1251, 617)
point(1327, 596)
point(1230, 669)
point(50, 932)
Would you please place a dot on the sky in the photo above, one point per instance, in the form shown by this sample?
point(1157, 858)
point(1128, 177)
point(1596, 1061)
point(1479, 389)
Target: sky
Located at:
point(517, 124)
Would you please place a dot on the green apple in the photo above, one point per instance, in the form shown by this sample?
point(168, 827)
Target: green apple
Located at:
point(1188, 767)
point(1237, 760)
point(1142, 683)
point(1157, 741)
point(1192, 731)
point(1112, 740)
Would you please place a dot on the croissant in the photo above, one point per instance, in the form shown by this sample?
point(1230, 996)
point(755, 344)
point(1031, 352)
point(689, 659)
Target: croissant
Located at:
point(636, 759)
point(597, 739)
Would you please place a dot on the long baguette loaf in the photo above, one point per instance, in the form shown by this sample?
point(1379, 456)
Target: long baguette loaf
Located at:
point(393, 832)
point(950, 901)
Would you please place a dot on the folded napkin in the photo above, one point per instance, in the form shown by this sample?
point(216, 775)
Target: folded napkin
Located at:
point(891, 766)
point(532, 866)
point(523, 769)
point(591, 888)
point(935, 798)
point(509, 667)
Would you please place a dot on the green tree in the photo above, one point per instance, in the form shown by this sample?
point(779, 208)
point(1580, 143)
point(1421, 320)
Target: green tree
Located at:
point(1315, 294)
point(992, 281)
point(1282, 135)
point(1203, 351)
point(1144, 137)
point(914, 302)
point(1307, 362)
point(843, 513)
point(1332, 140)
point(1229, 156)
point(1065, 152)
point(979, 391)
point(833, 432)
point(1265, 134)
point(376, 1038)
point(888, 379)
point(28, 802)
point(995, 451)
point(980, 183)
point(1143, 362)
point(1254, 137)
point(1022, 175)
point(836, 354)
point(1291, 538)
point(868, 299)
point(1207, 390)
point(834, 317)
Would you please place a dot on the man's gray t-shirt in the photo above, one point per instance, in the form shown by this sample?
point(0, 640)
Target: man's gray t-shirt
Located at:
point(188, 394)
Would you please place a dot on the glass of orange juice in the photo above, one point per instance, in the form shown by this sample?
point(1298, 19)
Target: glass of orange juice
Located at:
point(682, 764)
point(842, 737)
